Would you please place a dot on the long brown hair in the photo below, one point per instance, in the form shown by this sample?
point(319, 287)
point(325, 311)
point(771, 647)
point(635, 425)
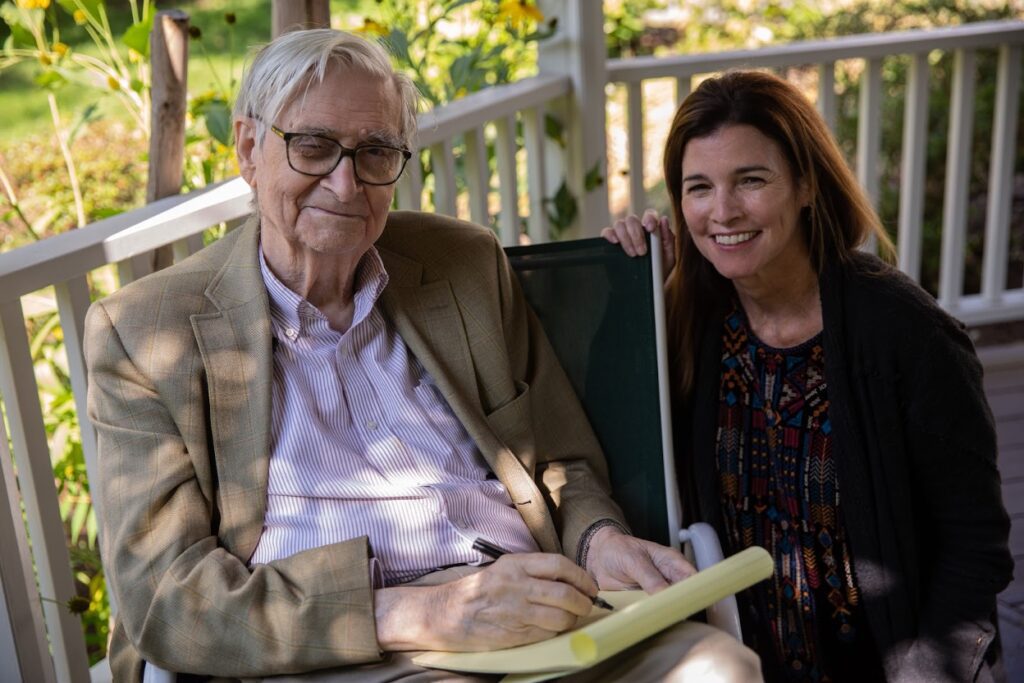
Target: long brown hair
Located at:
point(839, 220)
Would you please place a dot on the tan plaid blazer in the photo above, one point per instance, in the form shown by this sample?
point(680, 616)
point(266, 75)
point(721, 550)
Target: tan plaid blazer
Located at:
point(179, 391)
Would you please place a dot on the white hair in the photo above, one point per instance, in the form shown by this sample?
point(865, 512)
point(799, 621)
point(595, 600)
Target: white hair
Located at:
point(298, 59)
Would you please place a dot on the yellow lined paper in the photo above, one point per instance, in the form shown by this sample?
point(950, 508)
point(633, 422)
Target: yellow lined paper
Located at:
point(636, 617)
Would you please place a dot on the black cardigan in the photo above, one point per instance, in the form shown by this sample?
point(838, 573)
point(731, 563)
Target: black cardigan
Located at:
point(915, 447)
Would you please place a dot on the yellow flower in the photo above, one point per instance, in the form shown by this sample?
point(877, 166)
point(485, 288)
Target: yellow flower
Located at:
point(80, 17)
point(519, 12)
point(372, 28)
point(60, 48)
point(113, 83)
point(34, 4)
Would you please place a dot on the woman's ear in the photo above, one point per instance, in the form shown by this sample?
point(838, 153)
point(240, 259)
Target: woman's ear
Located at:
point(246, 148)
point(803, 193)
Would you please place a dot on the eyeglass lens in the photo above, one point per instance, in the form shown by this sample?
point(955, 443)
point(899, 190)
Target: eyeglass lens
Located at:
point(318, 156)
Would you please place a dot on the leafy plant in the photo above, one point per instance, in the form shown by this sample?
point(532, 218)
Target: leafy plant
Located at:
point(120, 70)
point(456, 47)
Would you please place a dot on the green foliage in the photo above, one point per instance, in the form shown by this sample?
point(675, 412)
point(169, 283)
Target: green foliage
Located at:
point(455, 47)
point(110, 68)
point(626, 32)
point(562, 208)
point(37, 174)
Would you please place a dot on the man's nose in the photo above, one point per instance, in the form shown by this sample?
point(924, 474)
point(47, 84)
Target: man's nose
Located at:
point(342, 180)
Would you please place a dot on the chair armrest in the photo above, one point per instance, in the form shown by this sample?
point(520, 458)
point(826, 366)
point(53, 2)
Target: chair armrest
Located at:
point(708, 551)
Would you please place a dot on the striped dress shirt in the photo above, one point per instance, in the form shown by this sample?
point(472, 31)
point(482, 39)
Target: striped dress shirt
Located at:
point(363, 443)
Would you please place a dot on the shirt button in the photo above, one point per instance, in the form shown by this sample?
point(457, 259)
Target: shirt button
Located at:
point(371, 424)
point(291, 333)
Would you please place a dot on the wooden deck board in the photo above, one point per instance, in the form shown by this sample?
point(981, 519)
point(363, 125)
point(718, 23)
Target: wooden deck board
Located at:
point(1004, 387)
point(1013, 498)
point(1007, 405)
point(1014, 593)
point(1010, 434)
point(1011, 464)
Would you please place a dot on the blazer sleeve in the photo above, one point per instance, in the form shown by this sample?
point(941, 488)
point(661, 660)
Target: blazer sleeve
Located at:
point(186, 603)
point(964, 556)
point(570, 468)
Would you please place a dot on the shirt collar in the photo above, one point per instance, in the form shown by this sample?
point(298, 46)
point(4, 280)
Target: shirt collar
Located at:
point(290, 311)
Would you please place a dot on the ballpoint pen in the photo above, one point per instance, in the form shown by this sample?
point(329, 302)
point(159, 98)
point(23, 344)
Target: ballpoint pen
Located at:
point(494, 552)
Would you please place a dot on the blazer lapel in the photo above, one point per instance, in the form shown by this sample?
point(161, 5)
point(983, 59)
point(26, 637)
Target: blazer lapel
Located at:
point(235, 344)
point(427, 318)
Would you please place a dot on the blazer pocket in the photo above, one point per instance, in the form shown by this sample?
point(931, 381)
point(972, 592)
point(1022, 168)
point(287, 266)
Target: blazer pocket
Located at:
point(511, 423)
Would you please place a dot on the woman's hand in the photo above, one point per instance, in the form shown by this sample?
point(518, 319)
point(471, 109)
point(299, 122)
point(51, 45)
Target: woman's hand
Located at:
point(631, 233)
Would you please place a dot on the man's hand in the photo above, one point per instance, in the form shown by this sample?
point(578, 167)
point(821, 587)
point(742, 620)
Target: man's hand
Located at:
point(517, 600)
point(621, 562)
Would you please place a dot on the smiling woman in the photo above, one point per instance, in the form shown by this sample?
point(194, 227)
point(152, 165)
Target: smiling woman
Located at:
point(742, 207)
point(833, 414)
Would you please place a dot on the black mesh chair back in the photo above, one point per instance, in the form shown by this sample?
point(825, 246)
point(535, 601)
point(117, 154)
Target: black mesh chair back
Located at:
point(598, 307)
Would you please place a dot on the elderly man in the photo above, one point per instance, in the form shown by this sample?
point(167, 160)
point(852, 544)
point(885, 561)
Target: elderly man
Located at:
point(304, 427)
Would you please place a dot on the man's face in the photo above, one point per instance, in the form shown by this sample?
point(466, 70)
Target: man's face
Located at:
point(331, 216)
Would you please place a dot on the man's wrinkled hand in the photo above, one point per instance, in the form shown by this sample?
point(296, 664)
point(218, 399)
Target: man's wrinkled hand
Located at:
point(621, 562)
point(520, 599)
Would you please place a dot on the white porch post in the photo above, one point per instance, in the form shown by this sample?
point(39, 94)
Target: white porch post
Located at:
point(578, 49)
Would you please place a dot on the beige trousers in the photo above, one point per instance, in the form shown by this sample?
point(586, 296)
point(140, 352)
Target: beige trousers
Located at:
point(689, 652)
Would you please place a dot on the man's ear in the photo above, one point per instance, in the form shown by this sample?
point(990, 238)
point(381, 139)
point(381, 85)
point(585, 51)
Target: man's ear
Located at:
point(246, 148)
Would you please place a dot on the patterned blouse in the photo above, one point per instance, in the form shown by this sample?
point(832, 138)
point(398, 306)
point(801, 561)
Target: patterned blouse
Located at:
point(779, 490)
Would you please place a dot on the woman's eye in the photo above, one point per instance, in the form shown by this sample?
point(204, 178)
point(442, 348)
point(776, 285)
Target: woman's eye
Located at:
point(752, 181)
point(697, 188)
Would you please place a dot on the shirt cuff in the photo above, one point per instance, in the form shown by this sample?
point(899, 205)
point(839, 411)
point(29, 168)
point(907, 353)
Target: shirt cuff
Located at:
point(583, 549)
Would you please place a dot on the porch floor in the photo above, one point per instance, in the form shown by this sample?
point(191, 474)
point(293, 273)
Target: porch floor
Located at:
point(1004, 385)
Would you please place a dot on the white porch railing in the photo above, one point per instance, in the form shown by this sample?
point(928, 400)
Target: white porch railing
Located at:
point(46, 641)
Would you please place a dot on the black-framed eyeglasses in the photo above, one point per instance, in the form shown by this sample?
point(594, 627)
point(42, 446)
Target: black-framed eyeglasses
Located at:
point(318, 155)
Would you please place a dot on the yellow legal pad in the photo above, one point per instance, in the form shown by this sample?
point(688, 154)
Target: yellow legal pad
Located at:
point(605, 634)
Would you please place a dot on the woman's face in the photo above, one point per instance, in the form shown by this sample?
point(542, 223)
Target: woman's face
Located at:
point(742, 206)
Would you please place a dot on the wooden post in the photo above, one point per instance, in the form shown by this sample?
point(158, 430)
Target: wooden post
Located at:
point(169, 59)
point(289, 15)
point(579, 51)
